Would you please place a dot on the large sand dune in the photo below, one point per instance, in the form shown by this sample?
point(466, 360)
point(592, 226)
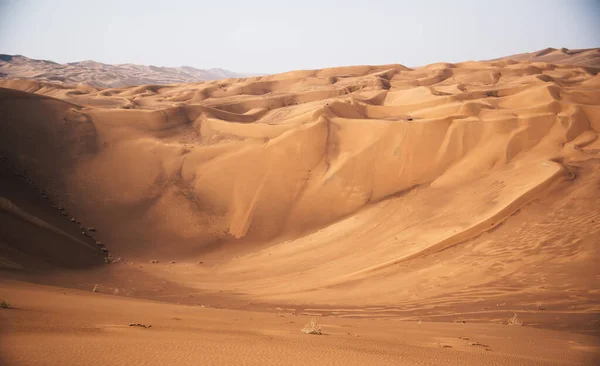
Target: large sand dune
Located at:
point(464, 191)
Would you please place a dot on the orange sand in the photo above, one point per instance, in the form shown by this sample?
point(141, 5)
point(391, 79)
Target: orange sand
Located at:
point(448, 192)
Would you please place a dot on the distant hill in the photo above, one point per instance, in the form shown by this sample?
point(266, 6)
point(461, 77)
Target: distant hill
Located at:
point(589, 57)
point(105, 75)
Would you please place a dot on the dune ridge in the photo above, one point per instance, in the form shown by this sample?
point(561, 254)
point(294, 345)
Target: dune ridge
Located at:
point(358, 191)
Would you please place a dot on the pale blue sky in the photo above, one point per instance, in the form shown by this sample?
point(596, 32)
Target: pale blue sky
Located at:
point(275, 35)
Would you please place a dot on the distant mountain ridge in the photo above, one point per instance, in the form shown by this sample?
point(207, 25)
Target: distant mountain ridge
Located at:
point(105, 75)
point(589, 57)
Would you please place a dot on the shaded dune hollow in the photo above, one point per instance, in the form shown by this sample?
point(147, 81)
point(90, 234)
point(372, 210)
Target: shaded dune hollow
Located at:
point(353, 190)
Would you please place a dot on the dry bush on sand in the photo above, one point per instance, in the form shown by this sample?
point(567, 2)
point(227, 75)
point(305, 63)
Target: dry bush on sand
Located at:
point(6, 305)
point(312, 327)
point(514, 320)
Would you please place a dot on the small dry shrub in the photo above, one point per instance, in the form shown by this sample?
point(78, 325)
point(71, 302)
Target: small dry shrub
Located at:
point(6, 305)
point(514, 320)
point(312, 327)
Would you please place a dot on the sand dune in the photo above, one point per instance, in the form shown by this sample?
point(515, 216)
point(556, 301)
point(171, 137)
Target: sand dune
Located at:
point(463, 191)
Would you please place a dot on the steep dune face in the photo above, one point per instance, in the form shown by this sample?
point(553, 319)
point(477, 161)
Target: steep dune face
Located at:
point(321, 187)
point(42, 141)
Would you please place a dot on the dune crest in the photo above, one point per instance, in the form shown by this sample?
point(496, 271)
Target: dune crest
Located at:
point(315, 186)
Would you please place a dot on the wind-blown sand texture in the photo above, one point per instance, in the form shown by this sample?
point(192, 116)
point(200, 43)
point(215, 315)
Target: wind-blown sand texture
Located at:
point(448, 193)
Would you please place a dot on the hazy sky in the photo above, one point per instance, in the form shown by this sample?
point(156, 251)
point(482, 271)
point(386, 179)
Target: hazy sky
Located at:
point(277, 35)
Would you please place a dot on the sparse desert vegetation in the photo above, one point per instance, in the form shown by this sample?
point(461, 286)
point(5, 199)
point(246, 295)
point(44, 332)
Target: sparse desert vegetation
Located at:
point(515, 320)
point(312, 327)
point(4, 304)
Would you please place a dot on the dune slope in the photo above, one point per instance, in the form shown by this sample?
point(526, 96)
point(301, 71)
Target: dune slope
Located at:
point(450, 191)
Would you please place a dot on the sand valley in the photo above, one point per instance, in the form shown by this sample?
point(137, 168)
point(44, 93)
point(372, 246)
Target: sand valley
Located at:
point(445, 214)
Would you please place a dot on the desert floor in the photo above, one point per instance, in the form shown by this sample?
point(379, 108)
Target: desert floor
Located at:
point(58, 326)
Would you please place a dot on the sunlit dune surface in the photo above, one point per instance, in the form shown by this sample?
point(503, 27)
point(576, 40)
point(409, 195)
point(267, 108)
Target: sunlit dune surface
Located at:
point(404, 208)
